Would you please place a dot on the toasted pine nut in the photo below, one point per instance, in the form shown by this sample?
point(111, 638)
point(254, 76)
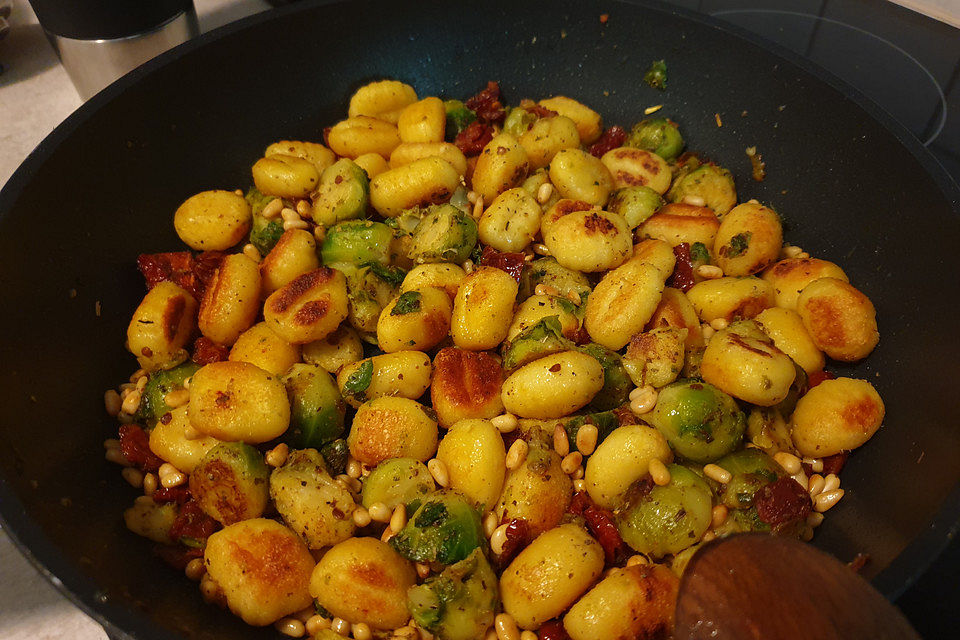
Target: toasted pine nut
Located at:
point(149, 484)
point(718, 473)
point(544, 192)
point(478, 207)
point(506, 627)
point(439, 472)
point(571, 462)
point(177, 398)
point(709, 271)
point(831, 482)
point(719, 324)
point(277, 456)
point(399, 518)
point(498, 539)
point(361, 517)
point(361, 631)
point(295, 224)
point(643, 400)
point(134, 477)
point(790, 251)
point(341, 626)
point(719, 515)
point(826, 500)
point(816, 464)
point(546, 290)
point(467, 266)
point(815, 485)
point(638, 559)
point(131, 402)
point(272, 209)
point(490, 523)
point(790, 463)
point(316, 624)
point(252, 252)
point(354, 468)
point(505, 423)
point(380, 512)
point(815, 519)
point(541, 249)
point(517, 454)
point(290, 627)
point(195, 569)
point(561, 443)
point(423, 569)
point(320, 233)
point(659, 472)
point(529, 635)
point(111, 443)
point(115, 455)
point(696, 201)
point(112, 402)
point(587, 439)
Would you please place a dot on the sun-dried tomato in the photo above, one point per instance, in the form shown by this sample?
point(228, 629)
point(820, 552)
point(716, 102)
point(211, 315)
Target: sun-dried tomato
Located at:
point(512, 263)
point(205, 266)
point(601, 523)
point(834, 464)
point(474, 138)
point(532, 107)
point(206, 351)
point(612, 138)
point(177, 556)
point(817, 377)
point(782, 502)
point(859, 562)
point(192, 522)
point(518, 537)
point(181, 268)
point(486, 104)
point(135, 445)
point(552, 630)
point(682, 276)
point(326, 135)
point(179, 494)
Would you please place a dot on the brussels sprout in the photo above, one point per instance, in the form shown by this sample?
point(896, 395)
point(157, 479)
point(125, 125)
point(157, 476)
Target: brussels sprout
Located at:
point(541, 339)
point(351, 244)
point(335, 454)
point(750, 469)
point(767, 428)
point(264, 233)
point(691, 363)
point(656, 75)
point(445, 234)
point(699, 255)
point(159, 384)
point(604, 421)
point(397, 481)
point(316, 409)
point(711, 182)
point(518, 121)
point(445, 529)
point(658, 135)
point(616, 381)
point(635, 204)
point(231, 483)
point(343, 193)
point(548, 271)
point(369, 294)
point(458, 118)
point(668, 519)
point(310, 502)
point(700, 422)
point(459, 603)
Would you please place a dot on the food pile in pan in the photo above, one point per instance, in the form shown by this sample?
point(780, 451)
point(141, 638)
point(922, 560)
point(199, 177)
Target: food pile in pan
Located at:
point(468, 370)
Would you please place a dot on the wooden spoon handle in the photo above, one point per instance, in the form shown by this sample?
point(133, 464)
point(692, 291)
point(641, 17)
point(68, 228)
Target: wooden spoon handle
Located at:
point(761, 586)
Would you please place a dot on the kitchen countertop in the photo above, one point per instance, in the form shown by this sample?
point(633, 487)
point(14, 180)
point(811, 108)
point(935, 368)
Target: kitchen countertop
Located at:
point(35, 96)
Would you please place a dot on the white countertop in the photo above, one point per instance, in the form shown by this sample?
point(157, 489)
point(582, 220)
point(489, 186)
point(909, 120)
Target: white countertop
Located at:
point(35, 96)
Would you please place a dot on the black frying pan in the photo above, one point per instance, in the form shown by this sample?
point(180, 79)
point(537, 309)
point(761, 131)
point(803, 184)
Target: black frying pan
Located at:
point(851, 184)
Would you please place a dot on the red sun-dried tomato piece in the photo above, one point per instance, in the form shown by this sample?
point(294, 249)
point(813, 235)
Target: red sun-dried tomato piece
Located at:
point(834, 464)
point(486, 104)
point(817, 377)
point(206, 351)
point(682, 276)
point(512, 263)
point(177, 556)
point(518, 537)
point(179, 494)
point(552, 630)
point(782, 502)
point(192, 522)
point(612, 138)
point(474, 138)
point(135, 445)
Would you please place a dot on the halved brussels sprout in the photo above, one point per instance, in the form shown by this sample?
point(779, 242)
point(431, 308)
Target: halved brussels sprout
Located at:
point(616, 380)
point(316, 409)
point(635, 204)
point(518, 120)
point(445, 234)
point(458, 604)
point(231, 483)
point(541, 339)
point(445, 529)
point(458, 118)
point(354, 243)
point(661, 520)
point(658, 135)
point(700, 422)
point(750, 469)
point(369, 293)
point(548, 271)
point(335, 454)
point(343, 194)
point(712, 183)
point(397, 481)
point(264, 233)
point(159, 384)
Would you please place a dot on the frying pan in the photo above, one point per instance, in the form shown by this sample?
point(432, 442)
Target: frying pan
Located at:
point(851, 184)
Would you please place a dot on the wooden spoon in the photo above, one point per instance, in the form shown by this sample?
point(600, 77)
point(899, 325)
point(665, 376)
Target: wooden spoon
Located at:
point(762, 586)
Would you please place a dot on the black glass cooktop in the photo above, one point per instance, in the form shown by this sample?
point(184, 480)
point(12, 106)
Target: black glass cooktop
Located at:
point(908, 64)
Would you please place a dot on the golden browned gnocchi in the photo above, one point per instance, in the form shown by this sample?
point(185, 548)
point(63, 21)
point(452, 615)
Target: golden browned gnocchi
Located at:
point(454, 381)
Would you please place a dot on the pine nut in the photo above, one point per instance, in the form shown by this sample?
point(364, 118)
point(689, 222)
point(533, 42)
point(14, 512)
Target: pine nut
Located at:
point(423, 569)
point(252, 252)
point(546, 290)
point(490, 523)
point(790, 463)
point(506, 423)
point(587, 439)
point(498, 539)
point(803, 255)
point(643, 400)
point(529, 635)
point(561, 443)
point(380, 512)
point(149, 484)
point(173, 480)
point(815, 485)
point(706, 331)
point(439, 472)
point(354, 469)
point(571, 462)
point(316, 624)
point(541, 249)
point(472, 196)
point(815, 519)
point(659, 472)
point(719, 324)
point(277, 456)
point(506, 627)
point(289, 215)
point(272, 209)
point(708, 536)
point(544, 192)
point(177, 398)
point(826, 501)
point(491, 634)
point(517, 454)
point(134, 477)
point(831, 483)
point(111, 443)
point(189, 433)
point(467, 266)
point(816, 464)
point(638, 559)
point(320, 233)
point(303, 208)
point(719, 515)
point(131, 402)
point(361, 517)
point(387, 534)
point(295, 224)
point(399, 518)
point(717, 473)
point(115, 455)
point(195, 569)
point(478, 207)
point(579, 484)
point(709, 271)
point(112, 402)
point(791, 251)
point(341, 626)
point(141, 383)
point(361, 631)
point(696, 201)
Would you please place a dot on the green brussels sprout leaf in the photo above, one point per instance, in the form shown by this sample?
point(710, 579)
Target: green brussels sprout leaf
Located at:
point(408, 302)
point(656, 75)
